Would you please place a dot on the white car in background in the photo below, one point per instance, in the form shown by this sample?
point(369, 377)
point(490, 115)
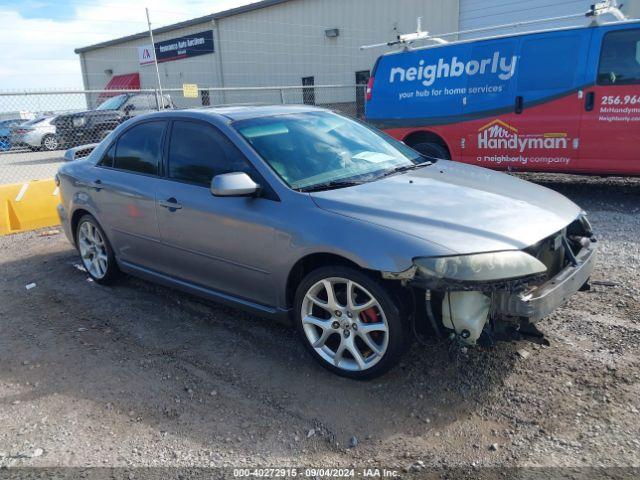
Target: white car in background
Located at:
point(37, 134)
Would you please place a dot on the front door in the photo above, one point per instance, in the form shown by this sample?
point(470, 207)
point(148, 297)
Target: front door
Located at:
point(610, 129)
point(221, 243)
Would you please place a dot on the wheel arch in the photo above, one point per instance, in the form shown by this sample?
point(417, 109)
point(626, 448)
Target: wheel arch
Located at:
point(423, 136)
point(75, 218)
point(310, 262)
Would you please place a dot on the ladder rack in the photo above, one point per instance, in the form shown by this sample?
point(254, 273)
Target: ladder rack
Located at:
point(596, 11)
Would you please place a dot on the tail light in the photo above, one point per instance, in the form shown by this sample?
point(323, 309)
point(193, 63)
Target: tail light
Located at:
point(369, 92)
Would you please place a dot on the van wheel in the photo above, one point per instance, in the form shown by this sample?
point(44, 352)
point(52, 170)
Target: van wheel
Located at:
point(433, 150)
point(350, 323)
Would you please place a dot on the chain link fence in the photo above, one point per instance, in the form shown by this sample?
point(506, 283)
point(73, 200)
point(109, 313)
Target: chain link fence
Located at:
point(37, 127)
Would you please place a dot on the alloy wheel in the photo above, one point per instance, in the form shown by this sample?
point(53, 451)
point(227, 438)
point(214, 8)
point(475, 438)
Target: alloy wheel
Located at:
point(93, 250)
point(50, 143)
point(345, 324)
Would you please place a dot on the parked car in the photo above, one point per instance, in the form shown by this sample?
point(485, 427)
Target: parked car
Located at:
point(36, 134)
point(298, 212)
point(93, 126)
point(5, 132)
point(562, 100)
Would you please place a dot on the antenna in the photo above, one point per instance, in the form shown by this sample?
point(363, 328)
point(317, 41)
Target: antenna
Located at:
point(596, 11)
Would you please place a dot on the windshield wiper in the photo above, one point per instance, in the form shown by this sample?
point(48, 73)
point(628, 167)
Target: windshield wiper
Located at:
point(330, 185)
point(406, 168)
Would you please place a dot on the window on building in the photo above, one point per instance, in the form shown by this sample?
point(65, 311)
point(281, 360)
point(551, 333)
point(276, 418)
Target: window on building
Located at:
point(620, 58)
point(206, 98)
point(362, 78)
point(139, 149)
point(198, 152)
point(308, 92)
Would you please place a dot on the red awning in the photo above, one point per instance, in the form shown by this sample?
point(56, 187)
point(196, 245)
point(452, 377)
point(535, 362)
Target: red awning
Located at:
point(129, 81)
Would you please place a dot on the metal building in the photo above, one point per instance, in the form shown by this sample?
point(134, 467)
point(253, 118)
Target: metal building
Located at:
point(290, 42)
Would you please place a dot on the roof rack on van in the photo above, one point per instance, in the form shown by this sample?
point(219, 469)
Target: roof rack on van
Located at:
point(596, 11)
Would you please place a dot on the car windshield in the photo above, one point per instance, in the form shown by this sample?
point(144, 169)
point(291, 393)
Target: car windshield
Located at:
point(320, 149)
point(114, 103)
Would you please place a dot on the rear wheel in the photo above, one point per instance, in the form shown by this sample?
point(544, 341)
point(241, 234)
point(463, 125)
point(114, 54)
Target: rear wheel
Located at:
point(50, 143)
point(350, 322)
point(434, 150)
point(95, 251)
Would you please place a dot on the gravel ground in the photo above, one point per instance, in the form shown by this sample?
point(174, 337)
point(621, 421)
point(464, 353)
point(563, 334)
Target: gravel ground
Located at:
point(137, 375)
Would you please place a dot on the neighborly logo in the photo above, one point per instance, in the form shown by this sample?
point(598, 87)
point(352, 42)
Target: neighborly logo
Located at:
point(427, 73)
point(498, 134)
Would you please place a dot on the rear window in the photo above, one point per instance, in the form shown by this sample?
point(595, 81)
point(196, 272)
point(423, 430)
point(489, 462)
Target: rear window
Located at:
point(620, 58)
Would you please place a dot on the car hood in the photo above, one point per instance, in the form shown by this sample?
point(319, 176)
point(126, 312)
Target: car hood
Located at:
point(461, 207)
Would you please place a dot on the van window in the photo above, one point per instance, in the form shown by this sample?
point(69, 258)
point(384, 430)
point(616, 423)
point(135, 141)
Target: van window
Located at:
point(620, 58)
point(549, 63)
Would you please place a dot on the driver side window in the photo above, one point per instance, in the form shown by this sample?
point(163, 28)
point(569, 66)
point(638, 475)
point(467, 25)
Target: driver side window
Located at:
point(198, 152)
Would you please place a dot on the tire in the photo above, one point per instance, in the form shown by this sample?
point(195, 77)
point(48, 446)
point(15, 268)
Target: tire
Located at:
point(433, 150)
point(97, 256)
point(360, 330)
point(50, 143)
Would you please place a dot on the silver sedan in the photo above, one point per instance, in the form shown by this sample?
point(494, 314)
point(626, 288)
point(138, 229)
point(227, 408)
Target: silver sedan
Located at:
point(37, 134)
point(300, 213)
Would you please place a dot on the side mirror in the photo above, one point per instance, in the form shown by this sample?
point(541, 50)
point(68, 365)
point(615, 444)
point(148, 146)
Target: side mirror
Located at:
point(129, 108)
point(235, 184)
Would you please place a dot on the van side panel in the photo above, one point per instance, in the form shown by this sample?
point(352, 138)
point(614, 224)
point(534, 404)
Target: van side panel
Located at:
point(509, 103)
point(610, 123)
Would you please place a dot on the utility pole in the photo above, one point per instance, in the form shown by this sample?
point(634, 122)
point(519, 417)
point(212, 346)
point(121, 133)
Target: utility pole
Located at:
point(160, 101)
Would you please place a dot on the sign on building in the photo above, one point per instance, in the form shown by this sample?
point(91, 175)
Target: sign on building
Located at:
point(178, 48)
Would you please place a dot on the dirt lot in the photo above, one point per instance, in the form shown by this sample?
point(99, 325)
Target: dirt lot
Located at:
point(138, 375)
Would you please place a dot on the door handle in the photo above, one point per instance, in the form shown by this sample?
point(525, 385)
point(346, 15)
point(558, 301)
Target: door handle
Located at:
point(589, 101)
point(97, 185)
point(519, 106)
point(170, 203)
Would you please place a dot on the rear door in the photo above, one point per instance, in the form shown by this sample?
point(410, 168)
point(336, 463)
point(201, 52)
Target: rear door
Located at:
point(124, 189)
point(222, 243)
point(610, 128)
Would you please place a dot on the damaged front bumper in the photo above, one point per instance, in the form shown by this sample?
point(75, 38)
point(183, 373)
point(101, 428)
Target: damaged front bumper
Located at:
point(539, 301)
point(466, 306)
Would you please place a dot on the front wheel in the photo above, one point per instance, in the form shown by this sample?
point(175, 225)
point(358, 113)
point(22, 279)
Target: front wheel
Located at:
point(350, 322)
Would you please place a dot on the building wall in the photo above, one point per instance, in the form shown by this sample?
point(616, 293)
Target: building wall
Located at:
point(123, 59)
point(485, 13)
point(279, 45)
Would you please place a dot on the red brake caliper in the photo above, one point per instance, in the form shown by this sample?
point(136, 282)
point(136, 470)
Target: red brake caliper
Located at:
point(370, 316)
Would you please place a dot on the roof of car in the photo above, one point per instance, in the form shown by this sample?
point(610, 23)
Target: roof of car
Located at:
point(244, 112)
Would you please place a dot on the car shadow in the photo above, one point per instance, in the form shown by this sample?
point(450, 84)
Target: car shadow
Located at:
point(185, 364)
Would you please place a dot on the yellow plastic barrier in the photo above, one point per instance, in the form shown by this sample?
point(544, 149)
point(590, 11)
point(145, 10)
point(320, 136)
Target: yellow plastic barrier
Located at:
point(28, 205)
